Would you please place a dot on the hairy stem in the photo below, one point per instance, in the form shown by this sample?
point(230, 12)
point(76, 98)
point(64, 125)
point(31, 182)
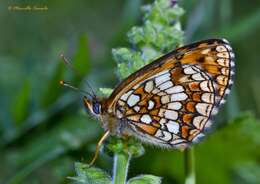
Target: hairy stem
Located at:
point(189, 163)
point(121, 163)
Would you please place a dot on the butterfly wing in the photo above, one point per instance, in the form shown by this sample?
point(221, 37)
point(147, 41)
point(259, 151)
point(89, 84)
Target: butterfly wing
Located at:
point(170, 102)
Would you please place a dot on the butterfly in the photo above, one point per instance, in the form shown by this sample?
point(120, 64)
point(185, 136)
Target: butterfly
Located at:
point(171, 101)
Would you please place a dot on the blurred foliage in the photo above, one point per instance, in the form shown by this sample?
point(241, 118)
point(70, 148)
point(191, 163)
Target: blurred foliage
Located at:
point(44, 129)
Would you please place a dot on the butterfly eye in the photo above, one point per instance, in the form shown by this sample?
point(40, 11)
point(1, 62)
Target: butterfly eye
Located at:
point(96, 108)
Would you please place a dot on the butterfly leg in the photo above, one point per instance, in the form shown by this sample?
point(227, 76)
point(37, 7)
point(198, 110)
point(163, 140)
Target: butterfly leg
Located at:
point(100, 142)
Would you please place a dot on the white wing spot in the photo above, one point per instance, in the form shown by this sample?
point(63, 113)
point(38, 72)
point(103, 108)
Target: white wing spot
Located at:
point(175, 89)
point(189, 70)
point(204, 108)
point(132, 100)
point(198, 77)
point(150, 104)
point(221, 48)
point(199, 122)
point(148, 86)
point(166, 136)
point(207, 97)
point(146, 119)
point(222, 62)
point(166, 85)
point(161, 79)
point(126, 95)
point(173, 127)
point(206, 86)
point(137, 108)
point(175, 106)
point(159, 133)
point(169, 114)
point(179, 97)
point(165, 99)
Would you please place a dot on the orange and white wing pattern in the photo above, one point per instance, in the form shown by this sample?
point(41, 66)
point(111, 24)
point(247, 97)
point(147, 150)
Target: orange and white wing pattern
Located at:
point(171, 101)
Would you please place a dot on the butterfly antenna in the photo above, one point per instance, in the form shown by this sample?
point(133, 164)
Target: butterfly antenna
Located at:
point(66, 61)
point(63, 83)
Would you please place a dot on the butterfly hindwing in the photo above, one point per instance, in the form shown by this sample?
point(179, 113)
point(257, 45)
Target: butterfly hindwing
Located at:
point(170, 102)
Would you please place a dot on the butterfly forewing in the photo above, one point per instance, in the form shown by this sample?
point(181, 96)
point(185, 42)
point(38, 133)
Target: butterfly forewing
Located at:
point(170, 102)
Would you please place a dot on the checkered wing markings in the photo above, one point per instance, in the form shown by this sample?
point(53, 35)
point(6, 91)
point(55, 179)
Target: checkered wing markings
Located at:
point(173, 106)
point(216, 57)
point(205, 90)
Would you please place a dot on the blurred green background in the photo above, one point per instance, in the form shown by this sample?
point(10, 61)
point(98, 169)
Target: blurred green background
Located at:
point(44, 128)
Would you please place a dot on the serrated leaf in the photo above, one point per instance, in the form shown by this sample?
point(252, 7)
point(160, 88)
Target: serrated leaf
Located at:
point(122, 55)
point(90, 175)
point(106, 91)
point(145, 179)
point(135, 35)
point(123, 72)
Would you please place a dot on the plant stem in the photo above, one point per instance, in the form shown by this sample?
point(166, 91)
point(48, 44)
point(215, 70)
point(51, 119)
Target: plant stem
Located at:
point(189, 163)
point(121, 163)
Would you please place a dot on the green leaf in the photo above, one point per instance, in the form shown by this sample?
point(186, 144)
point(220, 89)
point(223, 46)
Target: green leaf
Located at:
point(90, 175)
point(145, 179)
point(20, 103)
point(53, 87)
point(81, 58)
point(162, 12)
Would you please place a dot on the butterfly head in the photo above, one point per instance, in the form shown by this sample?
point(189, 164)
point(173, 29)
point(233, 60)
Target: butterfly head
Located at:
point(93, 105)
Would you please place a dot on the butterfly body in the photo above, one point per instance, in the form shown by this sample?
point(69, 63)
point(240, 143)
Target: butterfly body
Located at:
point(171, 101)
